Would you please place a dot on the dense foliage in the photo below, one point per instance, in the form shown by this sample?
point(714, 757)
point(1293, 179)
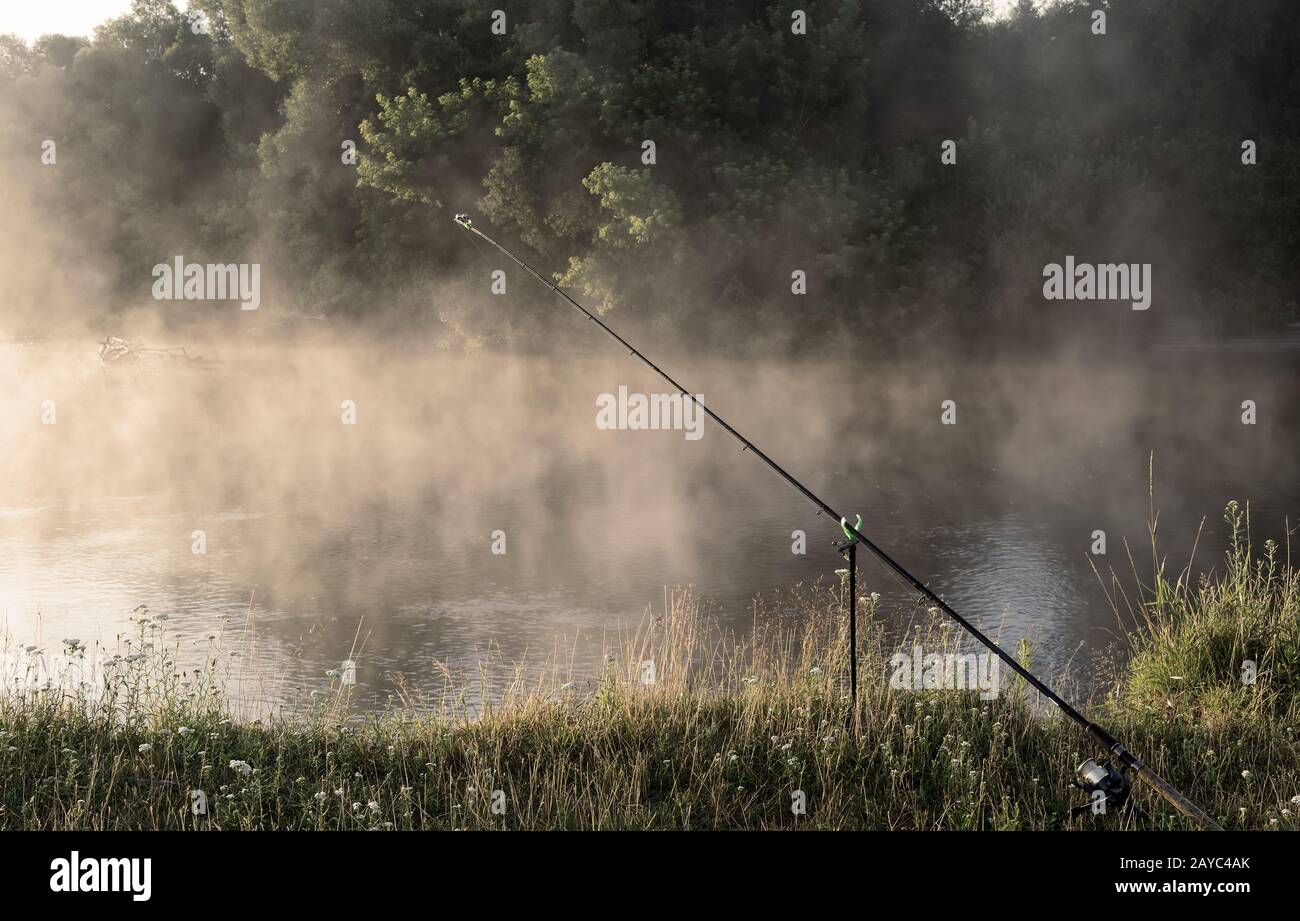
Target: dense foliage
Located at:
point(774, 152)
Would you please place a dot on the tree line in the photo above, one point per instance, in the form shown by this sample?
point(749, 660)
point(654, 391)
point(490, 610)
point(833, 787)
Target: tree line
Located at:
point(707, 170)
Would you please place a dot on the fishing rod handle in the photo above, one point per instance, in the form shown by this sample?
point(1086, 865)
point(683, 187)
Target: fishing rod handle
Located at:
point(1174, 798)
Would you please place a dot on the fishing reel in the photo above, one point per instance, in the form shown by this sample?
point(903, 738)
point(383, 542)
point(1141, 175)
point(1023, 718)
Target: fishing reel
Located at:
point(1107, 787)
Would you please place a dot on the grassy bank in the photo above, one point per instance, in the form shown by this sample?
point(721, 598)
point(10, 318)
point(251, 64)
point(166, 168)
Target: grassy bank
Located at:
point(724, 736)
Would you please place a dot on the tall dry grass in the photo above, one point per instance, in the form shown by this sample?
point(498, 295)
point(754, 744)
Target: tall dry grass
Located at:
point(729, 733)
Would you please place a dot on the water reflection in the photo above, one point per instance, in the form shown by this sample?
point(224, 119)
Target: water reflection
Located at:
point(377, 536)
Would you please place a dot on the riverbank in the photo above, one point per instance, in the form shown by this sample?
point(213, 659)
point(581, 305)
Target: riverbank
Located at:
point(717, 733)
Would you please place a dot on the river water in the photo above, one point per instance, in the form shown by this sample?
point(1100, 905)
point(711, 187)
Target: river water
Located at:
point(374, 541)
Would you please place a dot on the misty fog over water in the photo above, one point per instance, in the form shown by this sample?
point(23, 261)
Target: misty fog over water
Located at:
point(321, 535)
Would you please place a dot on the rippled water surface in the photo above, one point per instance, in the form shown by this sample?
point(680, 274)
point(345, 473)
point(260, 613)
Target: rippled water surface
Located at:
point(374, 540)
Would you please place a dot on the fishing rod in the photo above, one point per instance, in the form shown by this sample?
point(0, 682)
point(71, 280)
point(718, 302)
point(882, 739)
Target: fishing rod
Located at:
point(1101, 781)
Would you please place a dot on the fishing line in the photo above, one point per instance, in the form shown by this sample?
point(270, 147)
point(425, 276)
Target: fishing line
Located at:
point(1102, 779)
point(478, 249)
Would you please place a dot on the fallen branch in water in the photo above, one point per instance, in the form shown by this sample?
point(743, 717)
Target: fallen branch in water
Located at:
point(114, 349)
